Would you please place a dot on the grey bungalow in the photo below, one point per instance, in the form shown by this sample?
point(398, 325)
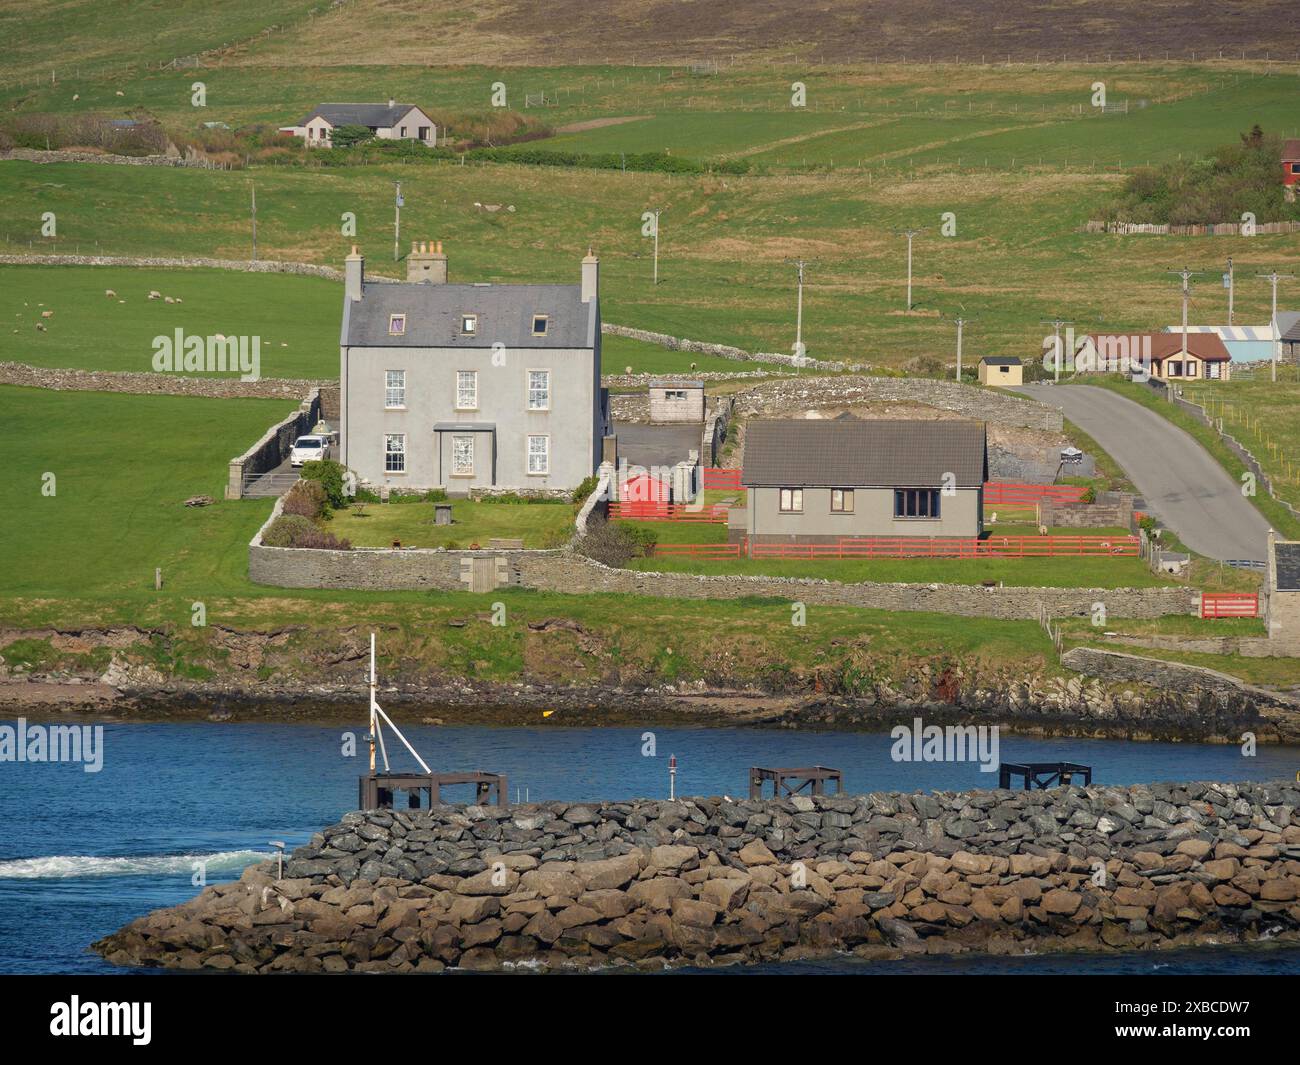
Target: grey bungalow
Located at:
point(817, 481)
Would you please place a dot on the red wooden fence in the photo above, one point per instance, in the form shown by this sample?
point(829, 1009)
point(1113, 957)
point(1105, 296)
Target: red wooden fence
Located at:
point(1229, 605)
point(651, 511)
point(717, 477)
point(955, 547)
point(1008, 494)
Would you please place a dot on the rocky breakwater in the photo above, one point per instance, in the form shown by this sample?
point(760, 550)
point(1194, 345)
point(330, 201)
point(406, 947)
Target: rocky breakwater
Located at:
point(714, 881)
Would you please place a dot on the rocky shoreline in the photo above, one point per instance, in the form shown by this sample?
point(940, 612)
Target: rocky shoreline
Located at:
point(717, 881)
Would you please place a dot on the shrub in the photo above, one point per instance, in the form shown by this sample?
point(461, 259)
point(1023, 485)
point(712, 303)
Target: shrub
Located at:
point(306, 499)
point(433, 495)
point(613, 543)
point(347, 136)
point(1089, 495)
point(330, 475)
point(293, 530)
point(585, 489)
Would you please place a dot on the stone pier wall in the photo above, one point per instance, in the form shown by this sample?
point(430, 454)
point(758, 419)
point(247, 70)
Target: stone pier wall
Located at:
point(719, 881)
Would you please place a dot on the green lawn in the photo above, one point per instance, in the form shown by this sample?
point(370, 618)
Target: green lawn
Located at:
point(297, 318)
point(123, 465)
point(379, 524)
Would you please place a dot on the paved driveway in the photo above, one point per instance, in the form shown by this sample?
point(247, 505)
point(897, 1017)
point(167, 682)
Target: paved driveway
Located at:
point(1181, 483)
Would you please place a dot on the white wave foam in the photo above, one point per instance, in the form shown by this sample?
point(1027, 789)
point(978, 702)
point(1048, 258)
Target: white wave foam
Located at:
point(71, 866)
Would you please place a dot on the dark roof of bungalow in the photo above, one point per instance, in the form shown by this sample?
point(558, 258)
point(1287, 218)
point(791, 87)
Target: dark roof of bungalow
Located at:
point(504, 315)
point(857, 452)
point(358, 114)
point(1000, 360)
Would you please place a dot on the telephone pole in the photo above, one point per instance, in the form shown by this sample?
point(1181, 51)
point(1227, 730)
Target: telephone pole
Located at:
point(1186, 275)
point(1230, 290)
point(909, 234)
point(1275, 277)
point(799, 265)
point(960, 322)
point(397, 220)
point(1056, 324)
point(657, 211)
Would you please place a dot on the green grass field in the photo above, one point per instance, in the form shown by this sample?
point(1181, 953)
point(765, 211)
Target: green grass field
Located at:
point(123, 465)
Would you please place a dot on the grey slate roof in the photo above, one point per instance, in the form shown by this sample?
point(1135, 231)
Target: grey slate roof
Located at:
point(861, 453)
point(433, 316)
point(358, 114)
point(1000, 360)
point(1288, 325)
point(1288, 566)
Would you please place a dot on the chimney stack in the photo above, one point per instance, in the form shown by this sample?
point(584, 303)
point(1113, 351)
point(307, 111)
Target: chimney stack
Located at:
point(590, 277)
point(427, 263)
point(354, 274)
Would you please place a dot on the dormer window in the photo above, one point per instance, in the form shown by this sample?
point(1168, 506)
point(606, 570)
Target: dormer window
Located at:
point(397, 325)
point(469, 323)
point(540, 322)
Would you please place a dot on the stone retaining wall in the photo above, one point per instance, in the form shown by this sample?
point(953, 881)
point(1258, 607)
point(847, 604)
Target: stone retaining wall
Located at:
point(716, 881)
point(1168, 676)
point(273, 447)
point(152, 383)
point(570, 573)
point(724, 351)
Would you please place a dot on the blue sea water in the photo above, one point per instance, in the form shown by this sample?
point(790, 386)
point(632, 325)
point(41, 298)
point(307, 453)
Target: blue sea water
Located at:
point(84, 853)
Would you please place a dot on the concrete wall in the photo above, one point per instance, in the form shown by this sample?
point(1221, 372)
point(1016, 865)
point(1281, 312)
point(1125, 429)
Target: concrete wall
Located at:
point(688, 406)
point(960, 514)
point(1087, 515)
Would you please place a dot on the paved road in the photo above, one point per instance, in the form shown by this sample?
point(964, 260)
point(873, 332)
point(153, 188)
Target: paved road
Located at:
point(1181, 483)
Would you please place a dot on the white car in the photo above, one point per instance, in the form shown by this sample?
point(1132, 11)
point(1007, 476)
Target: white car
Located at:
point(309, 449)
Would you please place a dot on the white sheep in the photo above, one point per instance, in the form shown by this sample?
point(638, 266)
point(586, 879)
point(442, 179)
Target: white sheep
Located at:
point(168, 299)
point(154, 294)
point(110, 293)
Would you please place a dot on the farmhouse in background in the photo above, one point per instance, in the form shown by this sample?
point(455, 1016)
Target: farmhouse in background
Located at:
point(1286, 328)
point(470, 386)
point(1001, 371)
point(1205, 357)
point(816, 481)
point(390, 121)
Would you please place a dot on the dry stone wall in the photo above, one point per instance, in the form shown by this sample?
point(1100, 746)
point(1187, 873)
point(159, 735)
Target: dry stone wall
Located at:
point(151, 383)
point(719, 881)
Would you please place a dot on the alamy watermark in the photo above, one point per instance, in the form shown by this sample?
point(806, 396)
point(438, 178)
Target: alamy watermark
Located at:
point(21, 742)
point(1099, 352)
point(181, 353)
point(919, 742)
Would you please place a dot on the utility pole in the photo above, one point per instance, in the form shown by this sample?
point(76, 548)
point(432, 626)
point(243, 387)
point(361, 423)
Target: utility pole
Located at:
point(1186, 275)
point(1056, 324)
point(1275, 277)
point(253, 188)
point(799, 265)
point(656, 212)
point(960, 322)
point(910, 233)
point(397, 219)
point(1230, 290)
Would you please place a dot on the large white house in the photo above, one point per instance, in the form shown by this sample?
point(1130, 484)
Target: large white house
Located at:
point(390, 121)
point(470, 386)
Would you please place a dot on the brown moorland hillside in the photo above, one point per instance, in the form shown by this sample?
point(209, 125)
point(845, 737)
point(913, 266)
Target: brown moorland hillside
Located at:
point(550, 32)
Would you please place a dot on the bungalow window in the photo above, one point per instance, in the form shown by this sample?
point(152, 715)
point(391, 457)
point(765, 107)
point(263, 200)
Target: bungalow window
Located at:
point(395, 389)
point(916, 503)
point(469, 323)
point(540, 322)
point(1173, 369)
point(841, 500)
point(462, 456)
point(396, 325)
point(1295, 168)
point(395, 454)
point(467, 390)
point(424, 133)
point(402, 132)
point(539, 389)
point(539, 455)
point(791, 500)
point(1191, 368)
